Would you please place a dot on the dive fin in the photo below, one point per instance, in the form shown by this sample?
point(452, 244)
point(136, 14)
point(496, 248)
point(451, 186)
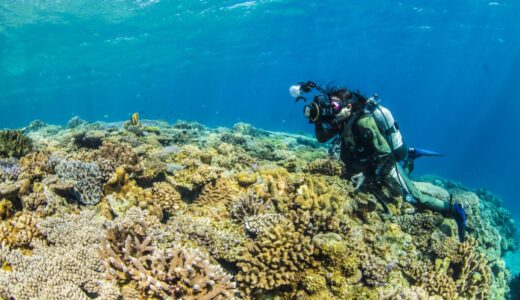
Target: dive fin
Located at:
point(417, 152)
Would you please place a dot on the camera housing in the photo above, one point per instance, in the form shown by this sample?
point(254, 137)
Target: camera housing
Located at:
point(320, 110)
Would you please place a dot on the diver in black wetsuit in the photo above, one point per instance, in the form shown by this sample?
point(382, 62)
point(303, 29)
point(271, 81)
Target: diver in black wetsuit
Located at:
point(367, 152)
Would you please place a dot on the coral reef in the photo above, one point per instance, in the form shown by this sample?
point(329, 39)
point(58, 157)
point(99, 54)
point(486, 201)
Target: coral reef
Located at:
point(147, 210)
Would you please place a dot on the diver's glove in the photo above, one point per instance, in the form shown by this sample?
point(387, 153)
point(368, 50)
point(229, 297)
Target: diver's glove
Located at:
point(358, 180)
point(459, 214)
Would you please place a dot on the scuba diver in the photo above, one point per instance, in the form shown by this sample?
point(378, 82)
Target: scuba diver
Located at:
point(371, 145)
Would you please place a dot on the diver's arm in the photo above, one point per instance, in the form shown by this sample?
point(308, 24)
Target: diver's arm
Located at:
point(324, 134)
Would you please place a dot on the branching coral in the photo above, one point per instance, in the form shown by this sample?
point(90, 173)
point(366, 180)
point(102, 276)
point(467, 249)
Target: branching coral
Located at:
point(14, 144)
point(257, 224)
point(275, 259)
point(317, 207)
point(172, 273)
point(68, 268)
point(473, 278)
point(122, 155)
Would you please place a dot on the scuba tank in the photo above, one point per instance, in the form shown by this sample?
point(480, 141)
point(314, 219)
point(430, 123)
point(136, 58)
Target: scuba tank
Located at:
point(386, 123)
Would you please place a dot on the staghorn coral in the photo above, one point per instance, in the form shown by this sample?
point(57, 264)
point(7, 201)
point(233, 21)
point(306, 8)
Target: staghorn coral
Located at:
point(176, 272)
point(14, 144)
point(87, 179)
point(275, 259)
point(68, 268)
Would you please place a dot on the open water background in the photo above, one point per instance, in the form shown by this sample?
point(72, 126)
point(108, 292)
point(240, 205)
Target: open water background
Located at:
point(448, 70)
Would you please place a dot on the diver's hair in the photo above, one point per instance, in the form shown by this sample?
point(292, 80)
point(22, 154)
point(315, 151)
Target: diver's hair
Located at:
point(342, 93)
point(347, 96)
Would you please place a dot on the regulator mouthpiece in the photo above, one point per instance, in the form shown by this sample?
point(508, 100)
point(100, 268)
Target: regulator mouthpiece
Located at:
point(296, 91)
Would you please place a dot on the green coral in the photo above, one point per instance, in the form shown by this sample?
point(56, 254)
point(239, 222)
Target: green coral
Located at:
point(14, 144)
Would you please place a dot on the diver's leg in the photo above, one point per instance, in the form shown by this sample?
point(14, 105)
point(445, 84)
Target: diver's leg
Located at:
point(424, 200)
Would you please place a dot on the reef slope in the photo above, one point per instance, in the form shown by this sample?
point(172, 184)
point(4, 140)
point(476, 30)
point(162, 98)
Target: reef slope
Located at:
point(150, 210)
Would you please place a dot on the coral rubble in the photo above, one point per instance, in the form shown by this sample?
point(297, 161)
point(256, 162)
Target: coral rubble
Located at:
point(147, 210)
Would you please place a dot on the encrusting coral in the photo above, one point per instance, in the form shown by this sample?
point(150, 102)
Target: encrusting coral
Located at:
point(183, 211)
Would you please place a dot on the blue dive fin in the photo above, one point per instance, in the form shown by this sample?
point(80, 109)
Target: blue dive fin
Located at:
point(416, 153)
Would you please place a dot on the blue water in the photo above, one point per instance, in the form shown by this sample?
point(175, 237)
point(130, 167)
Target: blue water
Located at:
point(449, 70)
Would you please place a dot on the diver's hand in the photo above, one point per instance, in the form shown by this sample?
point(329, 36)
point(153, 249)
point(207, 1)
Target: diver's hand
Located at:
point(343, 114)
point(358, 180)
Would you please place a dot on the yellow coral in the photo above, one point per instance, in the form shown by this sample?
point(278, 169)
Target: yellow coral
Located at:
point(314, 283)
point(20, 230)
point(246, 178)
point(6, 209)
point(167, 197)
point(276, 258)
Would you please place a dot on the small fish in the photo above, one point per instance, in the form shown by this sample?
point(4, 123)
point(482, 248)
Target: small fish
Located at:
point(134, 120)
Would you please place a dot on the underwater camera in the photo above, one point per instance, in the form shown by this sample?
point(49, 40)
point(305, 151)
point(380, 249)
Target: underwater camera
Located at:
point(321, 109)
